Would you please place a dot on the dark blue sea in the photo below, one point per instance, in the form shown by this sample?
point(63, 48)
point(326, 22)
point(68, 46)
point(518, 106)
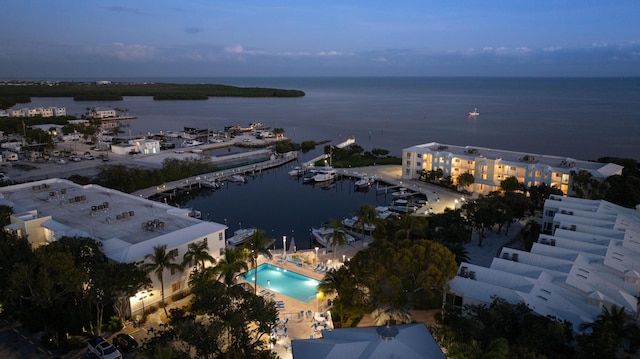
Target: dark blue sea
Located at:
point(582, 118)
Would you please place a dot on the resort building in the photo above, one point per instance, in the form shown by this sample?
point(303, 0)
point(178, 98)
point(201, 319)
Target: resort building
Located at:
point(128, 227)
point(409, 341)
point(40, 111)
point(491, 166)
point(588, 259)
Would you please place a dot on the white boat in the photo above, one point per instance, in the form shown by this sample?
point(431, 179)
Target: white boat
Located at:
point(320, 235)
point(325, 174)
point(364, 182)
point(402, 193)
point(238, 179)
point(215, 184)
point(381, 214)
point(474, 113)
point(308, 176)
point(196, 150)
point(240, 236)
point(296, 171)
point(403, 206)
point(191, 143)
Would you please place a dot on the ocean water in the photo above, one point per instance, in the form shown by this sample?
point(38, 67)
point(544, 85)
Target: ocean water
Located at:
point(582, 118)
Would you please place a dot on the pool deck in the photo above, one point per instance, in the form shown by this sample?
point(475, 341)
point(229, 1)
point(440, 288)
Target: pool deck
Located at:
point(300, 326)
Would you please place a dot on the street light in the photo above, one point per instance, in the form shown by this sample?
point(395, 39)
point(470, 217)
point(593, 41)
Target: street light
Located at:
point(343, 257)
point(141, 296)
point(317, 253)
point(284, 246)
point(317, 302)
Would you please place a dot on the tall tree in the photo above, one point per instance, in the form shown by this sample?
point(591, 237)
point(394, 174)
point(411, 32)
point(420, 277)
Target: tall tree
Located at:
point(161, 260)
point(337, 235)
point(256, 245)
point(466, 179)
point(608, 333)
point(197, 255)
point(367, 216)
point(111, 282)
point(231, 265)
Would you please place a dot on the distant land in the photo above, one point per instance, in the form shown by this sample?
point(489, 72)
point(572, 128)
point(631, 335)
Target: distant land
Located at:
point(13, 92)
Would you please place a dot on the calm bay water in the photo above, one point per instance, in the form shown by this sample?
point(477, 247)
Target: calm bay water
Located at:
point(575, 117)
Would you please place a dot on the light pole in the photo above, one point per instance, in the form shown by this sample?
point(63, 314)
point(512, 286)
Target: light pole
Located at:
point(142, 296)
point(317, 253)
point(317, 302)
point(284, 246)
point(343, 256)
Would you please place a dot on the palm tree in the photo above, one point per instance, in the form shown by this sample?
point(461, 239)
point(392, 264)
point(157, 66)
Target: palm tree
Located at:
point(161, 260)
point(232, 264)
point(615, 325)
point(337, 235)
point(366, 216)
point(391, 315)
point(197, 255)
point(257, 244)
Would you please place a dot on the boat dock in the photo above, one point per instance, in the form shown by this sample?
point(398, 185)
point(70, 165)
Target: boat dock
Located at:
point(171, 189)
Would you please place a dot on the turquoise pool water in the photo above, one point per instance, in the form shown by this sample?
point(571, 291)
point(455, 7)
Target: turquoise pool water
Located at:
point(282, 281)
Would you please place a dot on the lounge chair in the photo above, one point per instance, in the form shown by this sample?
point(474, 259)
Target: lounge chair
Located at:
point(263, 291)
point(316, 267)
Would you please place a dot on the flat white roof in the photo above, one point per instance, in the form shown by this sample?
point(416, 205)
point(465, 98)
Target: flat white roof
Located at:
point(127, 225)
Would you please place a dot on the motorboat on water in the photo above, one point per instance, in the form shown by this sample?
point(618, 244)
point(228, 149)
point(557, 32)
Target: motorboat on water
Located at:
point(365, 182)
point(296, 171)
point(382, 213)
point(238, 179)
point(321, 235)
point(325, 174)
point(191, 143)
point(402, 192)
point(474, 113)
point(402, 205)
point(240, 236)
point(215, 184)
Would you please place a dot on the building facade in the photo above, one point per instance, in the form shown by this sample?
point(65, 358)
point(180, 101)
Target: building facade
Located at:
point(588, 260)
point(491, 166)
point(128, 227)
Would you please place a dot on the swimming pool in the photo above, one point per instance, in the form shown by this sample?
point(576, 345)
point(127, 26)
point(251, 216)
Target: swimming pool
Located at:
point(279, 280)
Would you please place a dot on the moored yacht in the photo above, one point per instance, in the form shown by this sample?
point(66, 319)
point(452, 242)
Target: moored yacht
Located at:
point(191, 143)
point(364, 182)
point(325, 174)
point(321, 235)
point(240, 236)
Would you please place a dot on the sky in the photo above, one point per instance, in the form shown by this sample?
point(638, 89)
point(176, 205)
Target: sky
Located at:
point(200, 38)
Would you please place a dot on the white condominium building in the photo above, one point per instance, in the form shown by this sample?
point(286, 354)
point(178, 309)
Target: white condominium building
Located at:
point(128, 227)
point(588, 259)
point(491, 166)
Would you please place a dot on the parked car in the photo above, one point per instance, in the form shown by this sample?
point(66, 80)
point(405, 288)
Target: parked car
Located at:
point(89, 157)
point(103, 349)
point(61, 161)
point(125, 343)
point(75, 159)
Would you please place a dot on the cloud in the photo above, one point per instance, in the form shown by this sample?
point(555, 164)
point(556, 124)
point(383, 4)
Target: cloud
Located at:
point(193, 30)
point(329, 53)
point(124, 9)
point(234, 49)
point(125, 52)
